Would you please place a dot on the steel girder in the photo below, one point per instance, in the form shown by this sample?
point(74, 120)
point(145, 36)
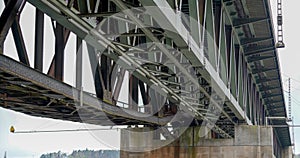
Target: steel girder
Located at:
point(80, 32)
point(45, 88)
point(82, 28)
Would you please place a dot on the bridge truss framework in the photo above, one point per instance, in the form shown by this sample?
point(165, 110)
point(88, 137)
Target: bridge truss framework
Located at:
point(237, 74)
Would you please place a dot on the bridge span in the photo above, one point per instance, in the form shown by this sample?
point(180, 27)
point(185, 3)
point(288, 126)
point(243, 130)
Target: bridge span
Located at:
point(180, 64)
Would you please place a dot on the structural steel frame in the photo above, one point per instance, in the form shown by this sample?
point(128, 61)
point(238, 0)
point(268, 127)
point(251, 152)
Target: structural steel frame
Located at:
point(241, 60)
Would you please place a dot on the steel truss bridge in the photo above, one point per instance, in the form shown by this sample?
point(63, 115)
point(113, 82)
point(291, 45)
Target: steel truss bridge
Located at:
point(213, 58)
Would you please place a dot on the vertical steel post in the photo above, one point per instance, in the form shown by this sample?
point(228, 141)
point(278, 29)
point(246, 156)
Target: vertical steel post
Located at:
point(133, 92)
point(39, 40)
point(96, 71)
point(52, 65)
point(217, 14)
point(228, 34)
point(290, 101)
point(144, 93)
point(106, 67)
point(59, 52)
point(236, 55)
point(78, 63)
point(104, 70)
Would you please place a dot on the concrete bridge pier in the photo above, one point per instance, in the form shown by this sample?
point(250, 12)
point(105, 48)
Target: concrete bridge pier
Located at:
point(249, 142)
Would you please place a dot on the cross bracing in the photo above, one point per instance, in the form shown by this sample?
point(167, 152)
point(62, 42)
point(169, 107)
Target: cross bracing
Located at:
point(204, 55)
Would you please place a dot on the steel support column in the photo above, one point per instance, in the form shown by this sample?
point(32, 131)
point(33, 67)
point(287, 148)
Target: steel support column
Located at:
point(228, 32)
point(237, 69)
point(39, 40)
point(144, 93)
point(133, 93)
point(79, 63)
point(52, 66)
point(218, 18)
point(106, 69)
point(96, 71)
point(59, 52)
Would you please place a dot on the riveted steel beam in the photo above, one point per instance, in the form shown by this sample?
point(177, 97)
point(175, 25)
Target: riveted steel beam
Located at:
point(270, 101)
point(244, 21)
point(251, 50)
point(261, 70)
point(262, 80)
point(276, 111)
point(274, 105)
point(255, 58)
point(271, 95)
point(245, 41)
point(269, 88)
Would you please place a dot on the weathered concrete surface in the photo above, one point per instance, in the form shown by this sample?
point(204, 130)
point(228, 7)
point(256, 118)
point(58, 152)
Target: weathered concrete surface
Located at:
point(204, 152)
point(249, 142)
point(287, 152)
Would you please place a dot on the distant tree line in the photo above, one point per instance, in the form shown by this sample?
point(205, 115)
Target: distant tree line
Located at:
point(84, 154)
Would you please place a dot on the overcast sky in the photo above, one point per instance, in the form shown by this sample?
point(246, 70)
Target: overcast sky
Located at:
point(29, 145)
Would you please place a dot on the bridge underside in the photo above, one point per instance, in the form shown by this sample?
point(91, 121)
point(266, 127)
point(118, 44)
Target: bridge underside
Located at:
point(29, 91)
point(214, 60)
